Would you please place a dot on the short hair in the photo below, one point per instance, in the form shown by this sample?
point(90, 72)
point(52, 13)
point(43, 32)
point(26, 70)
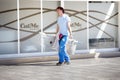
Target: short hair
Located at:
point(61, 8)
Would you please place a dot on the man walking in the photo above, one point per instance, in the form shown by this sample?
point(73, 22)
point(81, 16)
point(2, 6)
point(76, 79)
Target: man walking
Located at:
point(64, 30)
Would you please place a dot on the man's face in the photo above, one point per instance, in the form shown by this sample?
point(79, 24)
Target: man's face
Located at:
point(59, 12)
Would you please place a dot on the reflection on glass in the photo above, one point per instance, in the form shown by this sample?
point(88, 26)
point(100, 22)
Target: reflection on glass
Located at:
point(8, 27)
point(49, 24)
point(30, 36)
point(103, 25)
point(77, 10)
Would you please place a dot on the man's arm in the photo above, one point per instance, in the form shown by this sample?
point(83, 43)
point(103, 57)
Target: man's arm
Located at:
point(69, 29)
point(57, 29)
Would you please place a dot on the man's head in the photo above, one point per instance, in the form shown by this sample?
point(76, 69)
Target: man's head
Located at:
point(60, 10)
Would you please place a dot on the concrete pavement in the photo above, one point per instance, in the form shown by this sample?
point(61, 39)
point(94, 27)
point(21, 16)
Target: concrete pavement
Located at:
point(80, 69)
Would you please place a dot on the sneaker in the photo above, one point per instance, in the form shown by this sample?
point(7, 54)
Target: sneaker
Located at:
point(59, 64)
point(67, 63)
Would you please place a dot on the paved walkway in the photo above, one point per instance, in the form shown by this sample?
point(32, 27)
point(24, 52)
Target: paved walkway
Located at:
point(81, 69)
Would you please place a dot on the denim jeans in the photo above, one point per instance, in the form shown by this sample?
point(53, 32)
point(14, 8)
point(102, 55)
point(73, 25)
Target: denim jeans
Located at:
point(63, 55)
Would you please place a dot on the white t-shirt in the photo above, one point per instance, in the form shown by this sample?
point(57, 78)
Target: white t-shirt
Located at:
point(62, 23)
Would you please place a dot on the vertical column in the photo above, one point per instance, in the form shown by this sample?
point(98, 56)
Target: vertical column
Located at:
point(41, 10)
point(119, 25)
point(18, 25)
point(87, 24)
point(62, 3)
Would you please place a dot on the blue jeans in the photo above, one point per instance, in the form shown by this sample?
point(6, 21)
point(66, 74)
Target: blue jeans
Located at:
point(63, 55)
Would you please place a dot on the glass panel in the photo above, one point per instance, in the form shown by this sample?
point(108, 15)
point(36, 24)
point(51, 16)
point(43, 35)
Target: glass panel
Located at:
point(49, 24)
point(103, 25)
point(30, 26)
point(77, 10)
point(8, 27)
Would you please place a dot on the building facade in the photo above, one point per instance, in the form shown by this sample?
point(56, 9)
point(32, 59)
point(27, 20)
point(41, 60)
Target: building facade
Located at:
point(28, 26)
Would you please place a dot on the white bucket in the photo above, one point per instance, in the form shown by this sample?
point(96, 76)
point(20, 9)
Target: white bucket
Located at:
point(71, 46)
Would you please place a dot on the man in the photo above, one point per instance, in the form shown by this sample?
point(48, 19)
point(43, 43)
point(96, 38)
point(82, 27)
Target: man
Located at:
point(64, 30)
